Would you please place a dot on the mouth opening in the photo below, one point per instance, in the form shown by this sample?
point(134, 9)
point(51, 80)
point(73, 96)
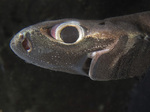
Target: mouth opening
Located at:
point(91, 61)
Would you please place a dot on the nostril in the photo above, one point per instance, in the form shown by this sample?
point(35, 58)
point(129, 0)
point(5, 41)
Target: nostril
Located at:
point(27, 45)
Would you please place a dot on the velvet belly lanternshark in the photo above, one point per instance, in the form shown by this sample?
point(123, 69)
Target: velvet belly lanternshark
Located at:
point(109, 49)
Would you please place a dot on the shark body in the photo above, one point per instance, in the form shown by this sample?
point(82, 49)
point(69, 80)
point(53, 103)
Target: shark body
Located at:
point(109, 49)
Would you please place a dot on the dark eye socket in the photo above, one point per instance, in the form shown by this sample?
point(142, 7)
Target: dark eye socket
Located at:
point(69, 34)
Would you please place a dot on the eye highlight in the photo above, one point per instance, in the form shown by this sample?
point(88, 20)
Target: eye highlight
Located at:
point(68, 32)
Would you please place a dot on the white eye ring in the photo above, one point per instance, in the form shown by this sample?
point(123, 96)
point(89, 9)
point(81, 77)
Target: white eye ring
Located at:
point(69, 23)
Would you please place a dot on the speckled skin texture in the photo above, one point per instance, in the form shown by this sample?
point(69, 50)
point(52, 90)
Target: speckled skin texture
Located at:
point(26, 88)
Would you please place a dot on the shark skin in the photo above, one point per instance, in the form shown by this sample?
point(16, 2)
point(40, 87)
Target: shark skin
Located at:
point(109, 49)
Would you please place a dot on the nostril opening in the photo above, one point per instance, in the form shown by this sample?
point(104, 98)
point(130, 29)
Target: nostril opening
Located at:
point(26, 45)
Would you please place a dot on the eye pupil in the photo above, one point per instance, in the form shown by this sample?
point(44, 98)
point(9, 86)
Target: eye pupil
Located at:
point(69, 34)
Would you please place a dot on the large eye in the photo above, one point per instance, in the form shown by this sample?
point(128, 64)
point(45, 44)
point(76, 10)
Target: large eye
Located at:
point(68, 32)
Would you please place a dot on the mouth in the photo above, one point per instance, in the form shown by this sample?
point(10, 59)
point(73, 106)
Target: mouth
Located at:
point(91, 61)
point(93, 57)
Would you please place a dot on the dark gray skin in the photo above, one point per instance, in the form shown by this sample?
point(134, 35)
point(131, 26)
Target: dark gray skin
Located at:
point(110, 49)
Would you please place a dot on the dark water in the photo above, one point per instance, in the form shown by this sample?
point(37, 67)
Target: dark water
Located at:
point(27, 88)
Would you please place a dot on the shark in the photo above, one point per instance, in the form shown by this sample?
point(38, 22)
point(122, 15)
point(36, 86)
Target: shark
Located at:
point(109, 49)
